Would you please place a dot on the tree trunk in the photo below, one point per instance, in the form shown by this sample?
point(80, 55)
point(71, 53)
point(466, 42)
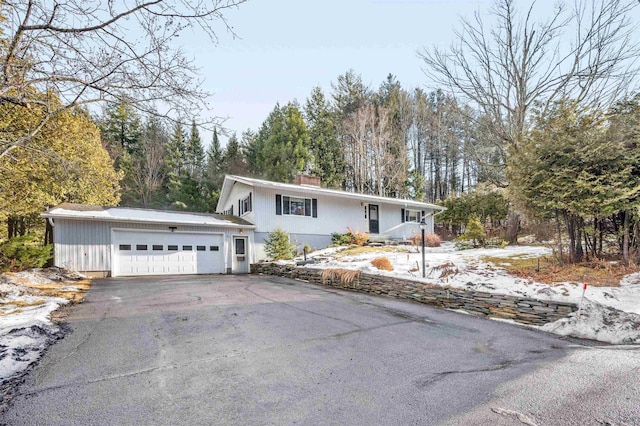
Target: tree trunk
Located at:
point(513, 226)
point(559, 230)
point(625, 238)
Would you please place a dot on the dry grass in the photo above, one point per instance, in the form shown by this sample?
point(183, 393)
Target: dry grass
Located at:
point(346, 276)
point(382, 263)
point(597, 273)
point(446, 270)
point(355, 251)
point(64, 290)
point(430, 240)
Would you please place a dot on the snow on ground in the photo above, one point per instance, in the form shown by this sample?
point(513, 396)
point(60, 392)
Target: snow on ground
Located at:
point(27, 300)
point(600, 318)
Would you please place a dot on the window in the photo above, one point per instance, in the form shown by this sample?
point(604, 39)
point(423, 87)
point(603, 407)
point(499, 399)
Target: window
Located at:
point(187, 248)
point(245, 205)
point(214, 248)
point(124, 247)
point(158, 247)
point(240, 246)
point(141, 247)
point(228, 212)
point(172, 248)
point(201, 248)
point(412, 215)
point(296, 206)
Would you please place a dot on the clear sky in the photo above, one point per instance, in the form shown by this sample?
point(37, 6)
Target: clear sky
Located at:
point(286, 47)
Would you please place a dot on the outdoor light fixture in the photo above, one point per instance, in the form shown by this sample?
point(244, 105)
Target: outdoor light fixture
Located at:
point(173, 228)
point(423, 226)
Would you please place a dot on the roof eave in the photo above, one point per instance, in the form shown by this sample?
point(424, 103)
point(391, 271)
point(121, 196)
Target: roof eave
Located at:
point(52, 215)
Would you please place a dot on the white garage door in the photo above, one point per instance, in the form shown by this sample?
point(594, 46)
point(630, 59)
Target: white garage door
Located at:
point(163, 253)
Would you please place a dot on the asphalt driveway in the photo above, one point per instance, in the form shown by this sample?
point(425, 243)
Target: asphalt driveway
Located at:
point(267, 350)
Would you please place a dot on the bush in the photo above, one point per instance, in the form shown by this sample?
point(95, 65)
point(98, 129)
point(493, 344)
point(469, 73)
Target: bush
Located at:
point(357, 238)
point(277, 246)
point(23, 252)
point(382, 263)
point(430, 240)
point(474, 232)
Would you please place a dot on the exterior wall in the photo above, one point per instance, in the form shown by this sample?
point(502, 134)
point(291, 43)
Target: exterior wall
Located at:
point(240, 191)
point(315, 241)
point(334, 215)
point(85, 246)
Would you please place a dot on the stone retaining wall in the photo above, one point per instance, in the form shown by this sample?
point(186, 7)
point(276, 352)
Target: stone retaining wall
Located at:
point(520, 309)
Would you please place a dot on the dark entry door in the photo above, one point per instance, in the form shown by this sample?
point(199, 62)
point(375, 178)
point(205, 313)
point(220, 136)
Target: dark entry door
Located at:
point(374, 224)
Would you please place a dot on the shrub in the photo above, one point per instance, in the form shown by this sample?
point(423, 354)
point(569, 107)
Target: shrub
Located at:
point(277, 246)
point(23, 252)
point(474, 232)
point(382, 263)
point(357, 238)
point(430, 240)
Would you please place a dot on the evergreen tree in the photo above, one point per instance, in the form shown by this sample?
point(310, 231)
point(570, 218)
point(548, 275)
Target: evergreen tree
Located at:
point(233, 159)
point(277, 246)
point(281, 148)
point(120, 129)
point(328, 158)
point(195, 159)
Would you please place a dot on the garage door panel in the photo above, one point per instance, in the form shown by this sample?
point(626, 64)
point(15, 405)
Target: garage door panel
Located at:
point(161, 253)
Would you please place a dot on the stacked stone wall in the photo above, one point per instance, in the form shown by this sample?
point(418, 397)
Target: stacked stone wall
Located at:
point(520, 309)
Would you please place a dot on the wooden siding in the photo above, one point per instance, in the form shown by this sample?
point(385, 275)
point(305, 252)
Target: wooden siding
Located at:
point(83, 245)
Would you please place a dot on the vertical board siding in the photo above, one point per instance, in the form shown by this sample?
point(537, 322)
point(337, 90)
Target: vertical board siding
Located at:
point(238, 192)
point(83, 245)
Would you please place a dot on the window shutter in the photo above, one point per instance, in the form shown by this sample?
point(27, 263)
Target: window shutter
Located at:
point(307, 207)
point(424, 213)
point(286, 206)
point(250, 203)
point(402, 212)
point(278, 204)
point(239, 207)
point(231, 214)
point(314, 203)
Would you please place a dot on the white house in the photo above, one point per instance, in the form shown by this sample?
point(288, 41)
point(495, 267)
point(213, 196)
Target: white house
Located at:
point(310, 214)
point(118, 241)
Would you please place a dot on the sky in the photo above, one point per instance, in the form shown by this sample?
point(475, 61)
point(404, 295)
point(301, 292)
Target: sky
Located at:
point(285, 48)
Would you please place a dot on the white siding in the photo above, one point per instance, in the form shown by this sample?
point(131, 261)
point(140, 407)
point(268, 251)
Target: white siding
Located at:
point(239, 191)
point(334, 215)
point(86, 245)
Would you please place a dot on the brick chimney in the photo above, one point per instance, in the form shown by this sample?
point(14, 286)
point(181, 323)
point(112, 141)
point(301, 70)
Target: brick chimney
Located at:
point(308, 180)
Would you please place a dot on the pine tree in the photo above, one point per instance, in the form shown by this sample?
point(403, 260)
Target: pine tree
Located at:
point(327, 156)
point(195, 159)
point(277, 246)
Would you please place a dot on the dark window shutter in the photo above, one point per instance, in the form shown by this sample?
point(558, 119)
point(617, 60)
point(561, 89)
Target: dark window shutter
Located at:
point(314, 202)
point(285, 205)
point(278, 204)
point(239, 207)
point(231, 214)
point(424, 213)
point(307, 207)
point(250, 203)
point(402, 212)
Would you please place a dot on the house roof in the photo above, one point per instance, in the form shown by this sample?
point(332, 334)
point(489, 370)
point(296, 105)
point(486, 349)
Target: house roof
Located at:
point(127, 214)
point(229, 180)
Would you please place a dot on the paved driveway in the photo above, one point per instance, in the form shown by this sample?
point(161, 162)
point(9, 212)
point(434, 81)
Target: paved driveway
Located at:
point(265, 350)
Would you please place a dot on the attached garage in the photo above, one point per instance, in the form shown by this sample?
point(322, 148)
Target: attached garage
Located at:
point(117, 241)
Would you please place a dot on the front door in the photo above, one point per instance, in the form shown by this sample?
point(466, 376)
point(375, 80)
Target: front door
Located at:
point(374, 226)
point(240, 263)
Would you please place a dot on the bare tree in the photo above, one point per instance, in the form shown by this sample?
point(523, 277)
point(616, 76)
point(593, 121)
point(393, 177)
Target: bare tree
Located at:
point(87, 51)
point(584, 51)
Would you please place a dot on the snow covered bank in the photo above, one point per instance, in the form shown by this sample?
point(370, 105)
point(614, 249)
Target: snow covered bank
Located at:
point(609, 314)
point(27, 300)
